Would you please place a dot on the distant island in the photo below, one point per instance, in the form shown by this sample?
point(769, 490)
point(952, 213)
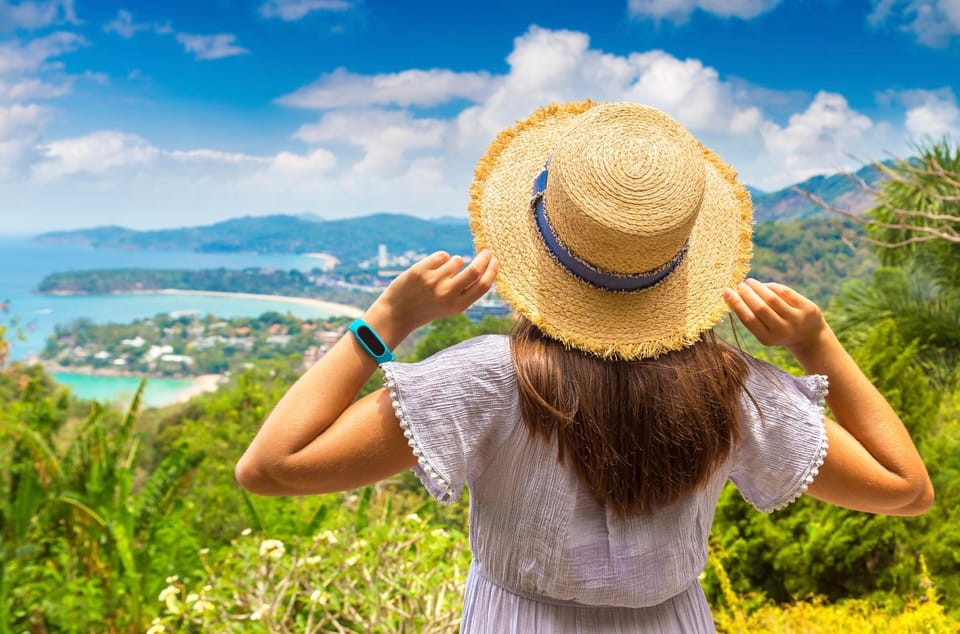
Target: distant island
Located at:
point(350, 241)
point(359, 292)
point(353, 240)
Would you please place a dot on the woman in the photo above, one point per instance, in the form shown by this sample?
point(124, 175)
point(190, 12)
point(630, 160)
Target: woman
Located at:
point(597, 437)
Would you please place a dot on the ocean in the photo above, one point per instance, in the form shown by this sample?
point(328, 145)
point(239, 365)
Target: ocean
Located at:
point(23, 263)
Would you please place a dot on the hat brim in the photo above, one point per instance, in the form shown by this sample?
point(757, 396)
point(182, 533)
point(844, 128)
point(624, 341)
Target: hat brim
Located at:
point(669, 316)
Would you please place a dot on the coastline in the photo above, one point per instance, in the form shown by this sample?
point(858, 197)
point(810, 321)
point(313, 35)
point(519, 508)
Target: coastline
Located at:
point(199, 384)
point(332, 307)
point(202, 384)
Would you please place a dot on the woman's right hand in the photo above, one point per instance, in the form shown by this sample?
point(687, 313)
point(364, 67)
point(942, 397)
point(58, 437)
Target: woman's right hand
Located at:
point(436, 286)
point(777, 315)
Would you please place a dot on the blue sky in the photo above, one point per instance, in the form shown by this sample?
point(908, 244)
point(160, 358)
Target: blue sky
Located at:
point(158, 114)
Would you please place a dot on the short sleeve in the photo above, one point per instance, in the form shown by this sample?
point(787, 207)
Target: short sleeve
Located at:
point(455, 408)
point(783, 436)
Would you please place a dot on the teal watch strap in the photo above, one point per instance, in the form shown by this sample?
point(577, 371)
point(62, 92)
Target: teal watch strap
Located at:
point(371, 341)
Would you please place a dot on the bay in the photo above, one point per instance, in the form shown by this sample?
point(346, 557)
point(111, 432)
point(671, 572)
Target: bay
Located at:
point(24, 263)
point(120, 389)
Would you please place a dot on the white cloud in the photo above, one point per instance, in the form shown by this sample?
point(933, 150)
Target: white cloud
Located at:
point(216, 156)
point(687, 89)
point(288, 165)
point(817, 140)
point(19, 120)
point(124, 26)
point(34, 56)
point(35, 15)
point(931, 113)
point(105, 152)
point(94, 153)
point(933, 22)
point(373, 148)
point(691, 92)
point(29, 72)
point(30, 89)
point(292, 10)
point(385, 137)
point(20, 128)
point(205, 47)
point(679, 11)
point(342, 88)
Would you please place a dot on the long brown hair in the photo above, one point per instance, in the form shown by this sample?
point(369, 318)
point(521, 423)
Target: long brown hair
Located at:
point(640, 434)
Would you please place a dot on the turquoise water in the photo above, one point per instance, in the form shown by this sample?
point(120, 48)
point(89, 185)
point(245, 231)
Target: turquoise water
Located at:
point(24, 263)
point(120, 389)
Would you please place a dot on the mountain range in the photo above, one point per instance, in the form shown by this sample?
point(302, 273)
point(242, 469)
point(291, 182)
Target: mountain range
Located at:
point(355, 239)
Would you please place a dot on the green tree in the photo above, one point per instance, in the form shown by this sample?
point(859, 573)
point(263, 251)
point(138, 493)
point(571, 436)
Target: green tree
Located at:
point(78, 513)
point(917, 218)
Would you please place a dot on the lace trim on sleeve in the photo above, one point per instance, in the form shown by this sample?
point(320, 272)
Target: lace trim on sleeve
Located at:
point(432, 480)
point(821, 387)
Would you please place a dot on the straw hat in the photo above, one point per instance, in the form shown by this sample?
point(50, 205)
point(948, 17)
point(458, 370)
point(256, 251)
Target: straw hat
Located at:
point(616, 230)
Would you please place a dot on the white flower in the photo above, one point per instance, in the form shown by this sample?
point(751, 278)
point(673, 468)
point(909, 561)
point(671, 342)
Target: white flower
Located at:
point(257, 614)
point(412, 517)
point(318, 596)
point(272, 548)
point(360, 544)
point(192, 597)
point(173, 579)
point(327, 537)
point(438, 532)
point(313, 561)
point(169, 591)
point(202, 605)
point(170, 596)
point(204, 551)
point(157, 628)
point(352, 560)
point(245, 532)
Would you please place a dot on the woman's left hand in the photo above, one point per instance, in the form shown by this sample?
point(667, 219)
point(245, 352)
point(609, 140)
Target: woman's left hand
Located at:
point(436, 286)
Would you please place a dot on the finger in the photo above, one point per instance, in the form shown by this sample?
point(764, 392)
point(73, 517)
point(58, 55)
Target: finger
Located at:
point(759, 307)
point(432, 261)
point(482, 285)
point(469, 276)
point(449, 268)
point(744, 313)
point(773, 300)
point(789, 295)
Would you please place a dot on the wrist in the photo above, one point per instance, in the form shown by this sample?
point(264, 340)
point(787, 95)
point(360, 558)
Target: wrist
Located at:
point(388, 322)
point(812, 352)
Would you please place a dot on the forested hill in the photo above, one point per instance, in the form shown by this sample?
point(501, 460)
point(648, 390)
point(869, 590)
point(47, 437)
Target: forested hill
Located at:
point(837, 190)
point(350, 240)
point(355, 239)
point(815, 256)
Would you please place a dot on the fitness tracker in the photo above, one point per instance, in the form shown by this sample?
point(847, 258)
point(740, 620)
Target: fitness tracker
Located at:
point(371, 341)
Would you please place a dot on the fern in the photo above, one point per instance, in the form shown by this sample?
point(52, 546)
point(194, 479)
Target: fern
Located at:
point(163, 486)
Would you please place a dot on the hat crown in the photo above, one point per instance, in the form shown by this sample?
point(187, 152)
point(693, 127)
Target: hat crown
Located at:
point(626, 185)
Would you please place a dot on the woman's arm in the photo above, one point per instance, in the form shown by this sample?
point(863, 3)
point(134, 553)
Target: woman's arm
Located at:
point(872, 464)
point(317, 439)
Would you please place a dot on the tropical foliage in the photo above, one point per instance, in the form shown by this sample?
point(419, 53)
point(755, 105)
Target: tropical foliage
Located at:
point(129, 521)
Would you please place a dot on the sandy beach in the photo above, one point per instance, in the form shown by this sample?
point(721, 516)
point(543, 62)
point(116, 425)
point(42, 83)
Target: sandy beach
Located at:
point(201, 384)
point(191, 385)
point(333, 307)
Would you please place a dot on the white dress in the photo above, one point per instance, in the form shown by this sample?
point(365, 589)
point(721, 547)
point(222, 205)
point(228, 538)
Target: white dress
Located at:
point(547, 557)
